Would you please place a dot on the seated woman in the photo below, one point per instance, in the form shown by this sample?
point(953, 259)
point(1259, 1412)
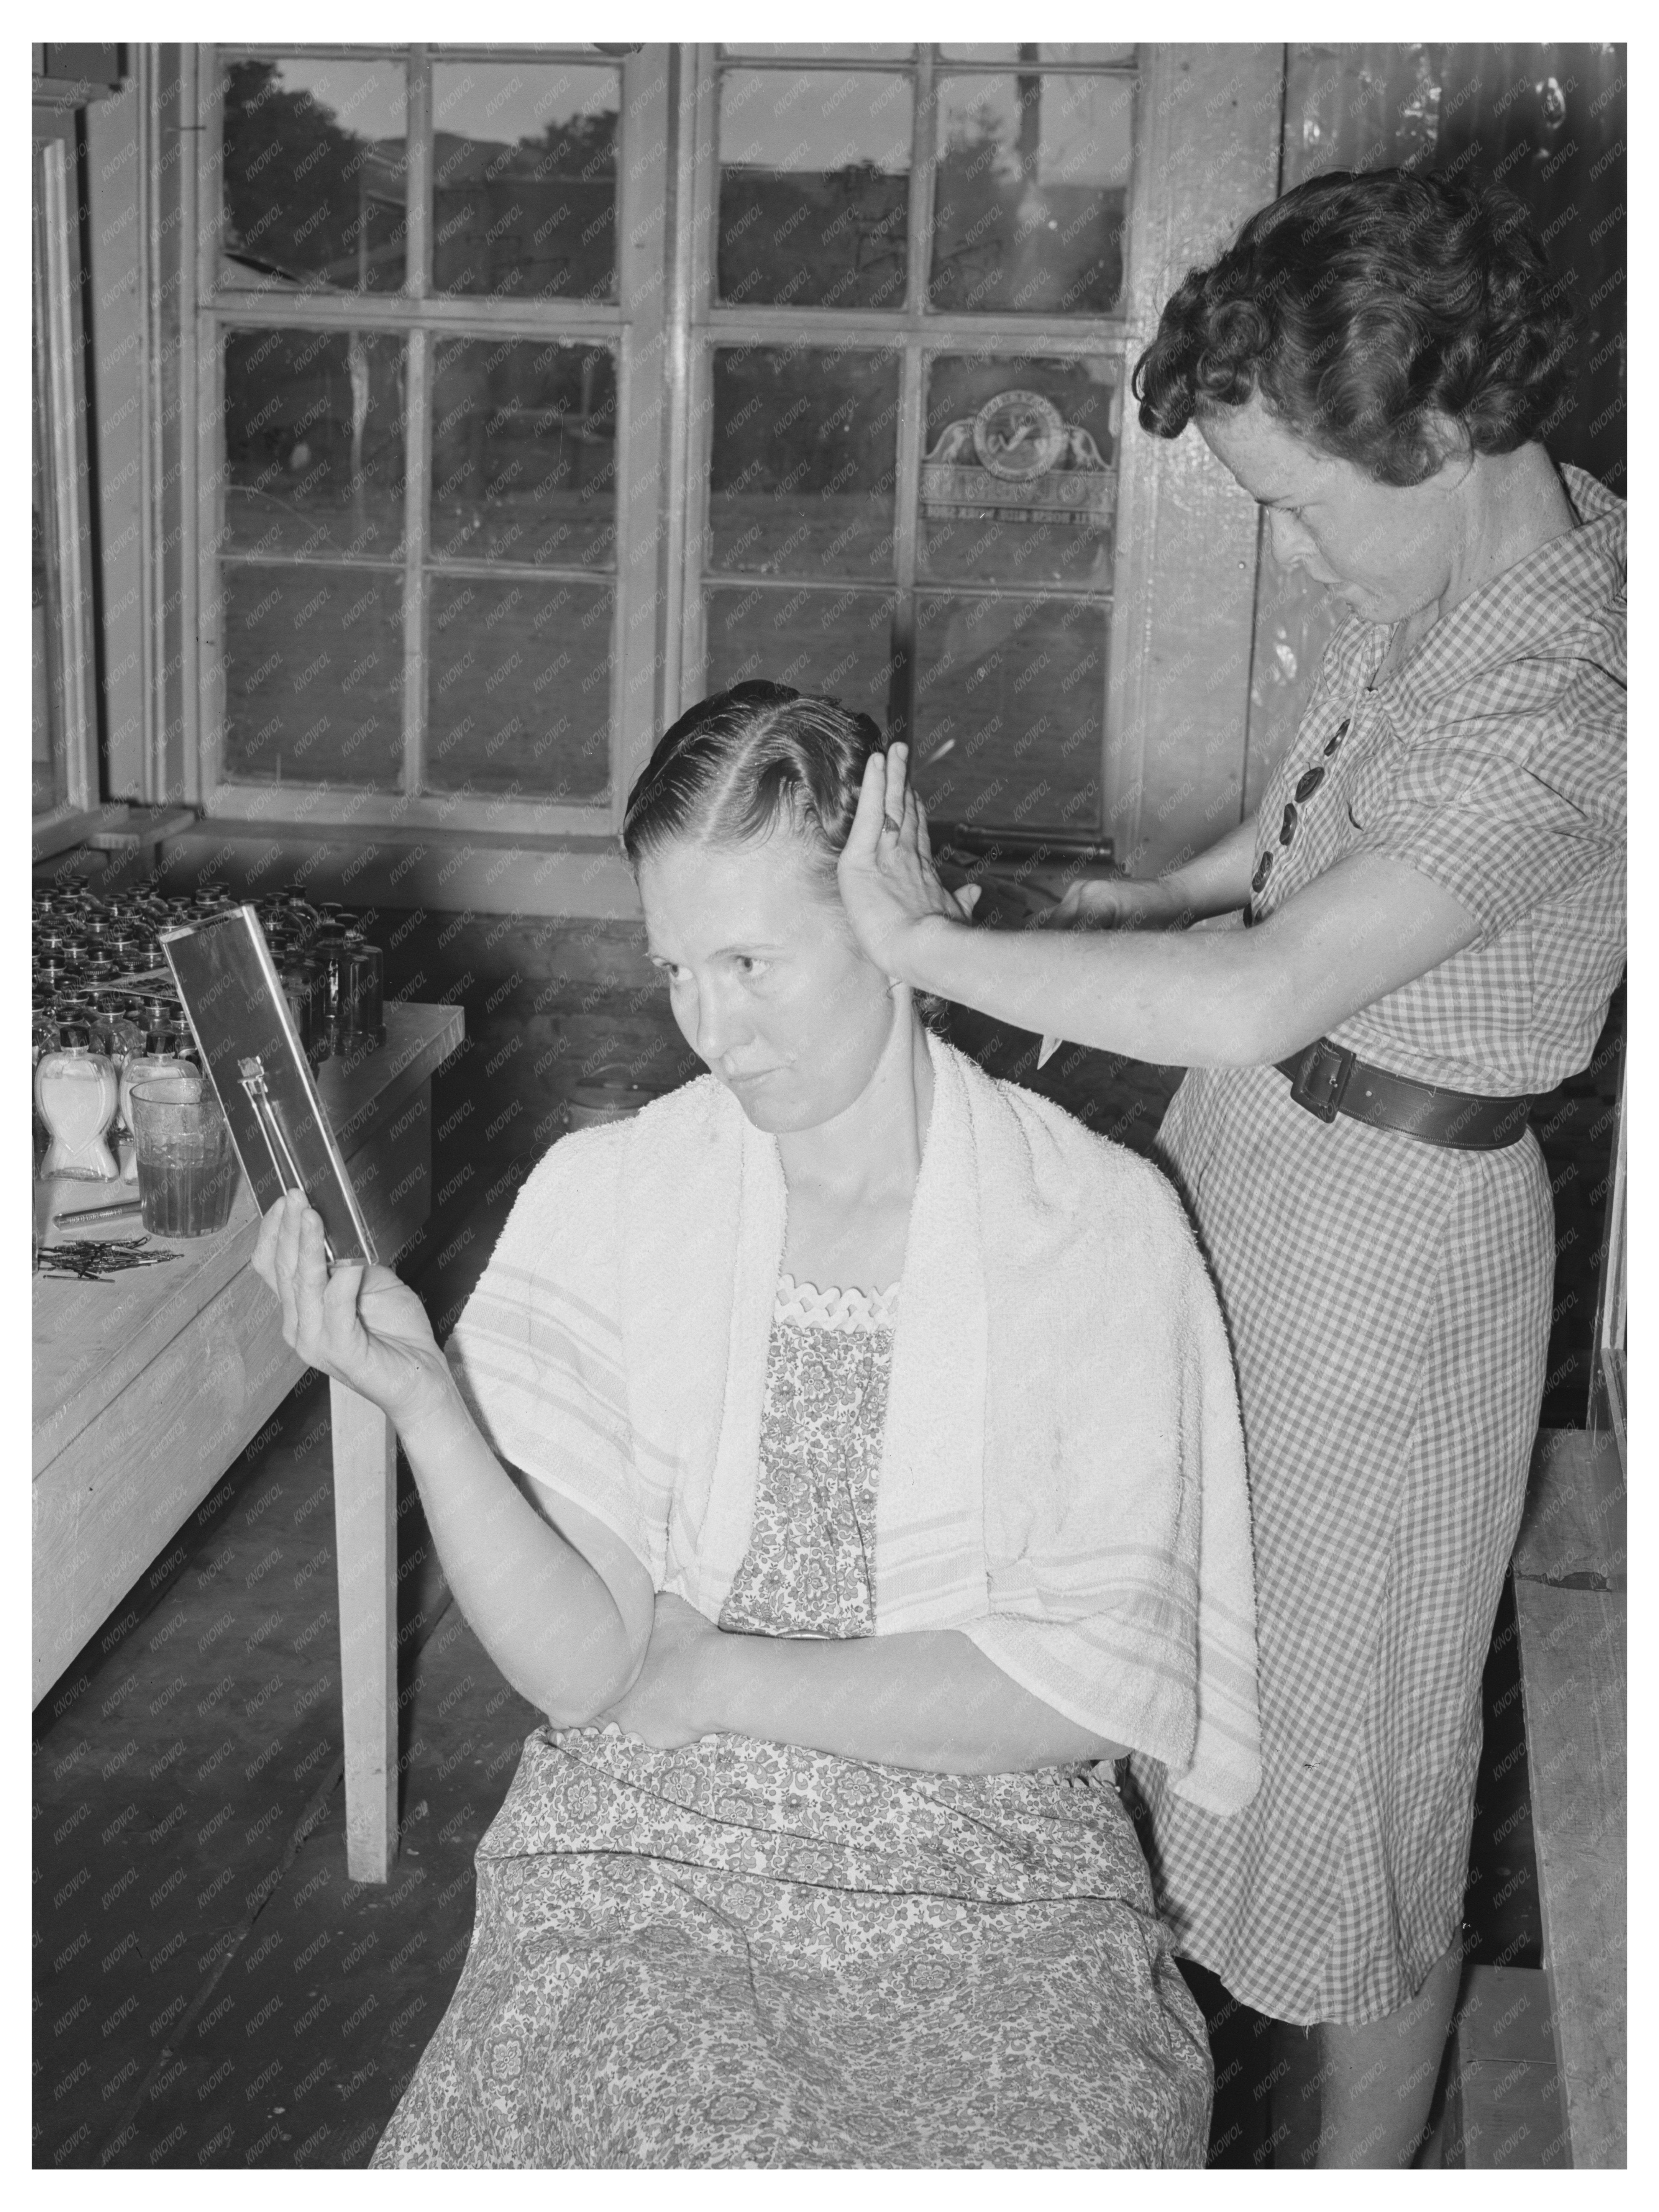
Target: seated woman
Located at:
point(882, 1484)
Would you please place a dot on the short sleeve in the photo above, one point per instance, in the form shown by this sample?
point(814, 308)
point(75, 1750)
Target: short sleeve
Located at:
point(1505, 813)
point(537, 1353)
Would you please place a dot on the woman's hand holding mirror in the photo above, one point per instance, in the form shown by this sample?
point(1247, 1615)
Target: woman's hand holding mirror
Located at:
point(362, 1326)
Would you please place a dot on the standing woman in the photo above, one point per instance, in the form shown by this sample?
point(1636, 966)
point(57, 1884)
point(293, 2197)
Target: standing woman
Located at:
point(1432, 907)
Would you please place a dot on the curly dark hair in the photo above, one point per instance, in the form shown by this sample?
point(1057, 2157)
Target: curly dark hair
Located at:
point(1362, 308)
point(740, 762)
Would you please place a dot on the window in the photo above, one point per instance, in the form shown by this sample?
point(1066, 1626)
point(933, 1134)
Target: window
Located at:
point(428, 279)
point(540, 389)
point(907, 371)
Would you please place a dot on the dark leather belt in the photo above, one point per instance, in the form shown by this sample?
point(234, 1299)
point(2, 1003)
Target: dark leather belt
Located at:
point(1328, 1080)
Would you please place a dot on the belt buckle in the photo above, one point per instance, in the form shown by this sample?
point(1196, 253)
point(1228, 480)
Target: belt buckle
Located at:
point(1321, 1082)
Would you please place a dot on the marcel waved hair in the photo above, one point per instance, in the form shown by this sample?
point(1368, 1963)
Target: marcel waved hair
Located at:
point(743, 762)
point(1365, 308)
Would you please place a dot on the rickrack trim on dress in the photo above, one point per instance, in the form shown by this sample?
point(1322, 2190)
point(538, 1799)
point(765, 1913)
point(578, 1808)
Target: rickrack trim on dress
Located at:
point(847, 1312)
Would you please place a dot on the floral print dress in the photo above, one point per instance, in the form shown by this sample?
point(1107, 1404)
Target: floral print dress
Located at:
point(741, 1953)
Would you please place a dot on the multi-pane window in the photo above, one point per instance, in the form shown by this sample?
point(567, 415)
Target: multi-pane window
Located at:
point(910, 365)
point(416, 341)
point(543, 390)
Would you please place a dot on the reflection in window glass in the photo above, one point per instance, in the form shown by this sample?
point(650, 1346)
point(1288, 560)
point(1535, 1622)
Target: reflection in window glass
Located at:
point(839, 643)
point(315, 175)
point(814, 189)
point(1030, 193)
point(1018, 472)
point(314, 442)
point(802, 472)
point(313, 665)
point(1010, 704)
point(524, 180)
point(524, 452)
point(518, 687)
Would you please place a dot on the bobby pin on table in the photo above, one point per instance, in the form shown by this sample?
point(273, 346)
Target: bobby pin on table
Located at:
point(149, 1385)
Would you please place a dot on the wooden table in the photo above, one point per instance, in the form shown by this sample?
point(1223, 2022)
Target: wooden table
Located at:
point(149, 1386)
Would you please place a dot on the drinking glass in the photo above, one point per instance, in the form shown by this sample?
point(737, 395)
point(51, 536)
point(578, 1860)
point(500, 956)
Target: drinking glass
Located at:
point(188, 1171)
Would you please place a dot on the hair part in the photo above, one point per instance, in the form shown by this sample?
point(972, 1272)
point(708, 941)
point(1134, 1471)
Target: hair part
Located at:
point(1370, 312)
point(742, 763)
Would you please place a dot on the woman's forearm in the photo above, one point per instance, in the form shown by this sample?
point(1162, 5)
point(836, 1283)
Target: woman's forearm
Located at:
point(546, 1616)
point(931, 1700)
point(1216, 881)
point(1164, 996)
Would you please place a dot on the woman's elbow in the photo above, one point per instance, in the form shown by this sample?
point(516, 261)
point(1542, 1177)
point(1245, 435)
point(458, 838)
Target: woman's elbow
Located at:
point(585, 1691)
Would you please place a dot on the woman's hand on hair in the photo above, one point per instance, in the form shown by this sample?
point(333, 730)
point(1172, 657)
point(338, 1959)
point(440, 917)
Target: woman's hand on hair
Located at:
point(889, 885)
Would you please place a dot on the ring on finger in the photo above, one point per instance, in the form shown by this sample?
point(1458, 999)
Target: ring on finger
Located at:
point(889, 824)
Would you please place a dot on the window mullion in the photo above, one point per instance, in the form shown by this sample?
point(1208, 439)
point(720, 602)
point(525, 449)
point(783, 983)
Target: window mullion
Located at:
point(417, 182)
point(418, 440)
point(922, 140)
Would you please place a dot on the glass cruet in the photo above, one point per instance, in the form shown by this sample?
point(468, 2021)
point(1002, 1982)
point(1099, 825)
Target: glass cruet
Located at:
point(76, 1091)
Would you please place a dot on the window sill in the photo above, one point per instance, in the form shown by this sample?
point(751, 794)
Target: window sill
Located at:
point(444, 870)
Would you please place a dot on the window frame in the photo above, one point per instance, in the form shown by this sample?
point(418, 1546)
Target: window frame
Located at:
point(59, 394)
point(916, 330)
point(634, 324)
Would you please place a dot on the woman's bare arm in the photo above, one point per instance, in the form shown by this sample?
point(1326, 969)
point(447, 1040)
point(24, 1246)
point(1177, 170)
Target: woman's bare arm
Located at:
point(566, 1617)
point(1226, 999)
point(1214, 882)
point(930, 1699)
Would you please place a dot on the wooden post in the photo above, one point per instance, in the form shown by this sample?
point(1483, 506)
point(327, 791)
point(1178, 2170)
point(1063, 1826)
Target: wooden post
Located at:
point(366, 1538)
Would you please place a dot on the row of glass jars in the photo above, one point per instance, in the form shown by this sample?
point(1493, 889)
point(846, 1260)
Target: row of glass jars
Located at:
point(103, 1018)
point(333, 978)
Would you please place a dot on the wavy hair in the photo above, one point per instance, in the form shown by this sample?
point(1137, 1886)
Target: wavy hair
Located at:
point(1367, 311)
point(741, 763)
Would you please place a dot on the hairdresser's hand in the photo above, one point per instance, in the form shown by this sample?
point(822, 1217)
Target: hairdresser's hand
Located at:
point(360, 1326)
point(889, 885)
point(1111, 903)
point(662, 1707)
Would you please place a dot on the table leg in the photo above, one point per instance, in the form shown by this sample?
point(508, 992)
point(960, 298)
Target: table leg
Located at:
point(365, 1539)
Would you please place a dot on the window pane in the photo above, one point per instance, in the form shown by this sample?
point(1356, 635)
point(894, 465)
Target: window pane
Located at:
point(1018, 477)
point(802, 474)
point(315, 175)
point(1030, 193)
point(815, 187)
point(1010, 702)
point(314, 442)
point(524, 179)
point(836, 642)
point(524, 452)
point(314, 661)
point(518, 687)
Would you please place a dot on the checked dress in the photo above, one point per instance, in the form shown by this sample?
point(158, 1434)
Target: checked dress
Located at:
point(1387, 1299)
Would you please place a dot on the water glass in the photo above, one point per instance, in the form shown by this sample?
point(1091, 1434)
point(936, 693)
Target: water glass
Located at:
point(188, 1171)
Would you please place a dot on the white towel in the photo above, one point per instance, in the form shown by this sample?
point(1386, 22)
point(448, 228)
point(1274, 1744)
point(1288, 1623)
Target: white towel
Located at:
point(1062, 1475)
